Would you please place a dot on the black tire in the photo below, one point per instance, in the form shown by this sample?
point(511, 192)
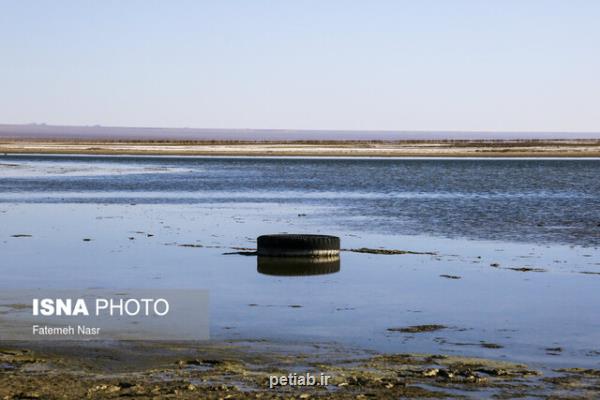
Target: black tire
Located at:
point(297, 266)
point(294, 245)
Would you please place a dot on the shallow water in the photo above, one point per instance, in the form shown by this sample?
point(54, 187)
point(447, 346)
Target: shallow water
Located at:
point(472, 213)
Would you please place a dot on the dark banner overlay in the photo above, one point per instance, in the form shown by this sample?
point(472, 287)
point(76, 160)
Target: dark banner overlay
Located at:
point(100, 314)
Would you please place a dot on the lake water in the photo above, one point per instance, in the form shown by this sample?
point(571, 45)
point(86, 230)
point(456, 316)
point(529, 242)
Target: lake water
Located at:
point(137, 212)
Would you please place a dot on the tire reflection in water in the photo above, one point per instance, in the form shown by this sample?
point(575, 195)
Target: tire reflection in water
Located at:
point(297, 266)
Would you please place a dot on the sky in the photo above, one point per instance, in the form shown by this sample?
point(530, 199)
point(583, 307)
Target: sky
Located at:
point(503, 65)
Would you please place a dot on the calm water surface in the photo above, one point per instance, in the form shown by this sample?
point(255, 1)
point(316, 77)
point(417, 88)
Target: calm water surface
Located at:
point(541, 214)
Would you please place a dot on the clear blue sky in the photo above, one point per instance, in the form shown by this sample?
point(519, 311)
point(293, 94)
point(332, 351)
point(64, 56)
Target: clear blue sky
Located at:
point(520, 65)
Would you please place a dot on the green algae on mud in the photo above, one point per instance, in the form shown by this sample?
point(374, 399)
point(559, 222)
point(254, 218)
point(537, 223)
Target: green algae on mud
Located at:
point(241, 370)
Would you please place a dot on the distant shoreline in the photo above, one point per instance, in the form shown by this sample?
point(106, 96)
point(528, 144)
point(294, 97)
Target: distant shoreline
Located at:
point(306, 148)
point(132, 133)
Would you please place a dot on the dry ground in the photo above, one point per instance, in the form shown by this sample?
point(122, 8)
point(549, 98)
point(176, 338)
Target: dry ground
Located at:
point(461, 148)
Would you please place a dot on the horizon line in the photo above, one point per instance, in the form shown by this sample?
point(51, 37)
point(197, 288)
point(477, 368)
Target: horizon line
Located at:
point(350, 130)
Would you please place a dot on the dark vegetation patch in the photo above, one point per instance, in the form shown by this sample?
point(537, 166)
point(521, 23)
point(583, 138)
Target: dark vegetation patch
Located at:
point(418, 328)
point(386, 251)
point(527, 269)
point(450, 276)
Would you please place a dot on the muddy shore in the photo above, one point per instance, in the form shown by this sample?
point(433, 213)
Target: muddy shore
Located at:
point(459, 148)
point(241, 370)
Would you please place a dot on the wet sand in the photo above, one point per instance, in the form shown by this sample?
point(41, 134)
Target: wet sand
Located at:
point(241, 370)
point(459, 148)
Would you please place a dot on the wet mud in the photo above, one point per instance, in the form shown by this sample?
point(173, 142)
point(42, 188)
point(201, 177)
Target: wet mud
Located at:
point(386, 251)
point(241, 370)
